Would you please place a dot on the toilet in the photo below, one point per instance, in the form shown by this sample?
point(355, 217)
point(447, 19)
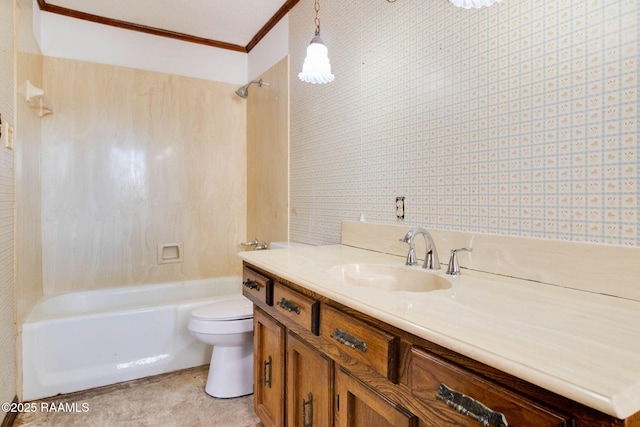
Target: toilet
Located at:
point(227, 324)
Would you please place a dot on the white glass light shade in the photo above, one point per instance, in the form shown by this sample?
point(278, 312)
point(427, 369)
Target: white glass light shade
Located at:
point(468, 4)
point(316, 67)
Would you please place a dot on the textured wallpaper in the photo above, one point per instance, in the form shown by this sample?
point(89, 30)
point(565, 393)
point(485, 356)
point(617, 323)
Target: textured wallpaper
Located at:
point(519, 119)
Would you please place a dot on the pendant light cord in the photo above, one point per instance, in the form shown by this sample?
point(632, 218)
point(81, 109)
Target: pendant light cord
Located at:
point(317, 7)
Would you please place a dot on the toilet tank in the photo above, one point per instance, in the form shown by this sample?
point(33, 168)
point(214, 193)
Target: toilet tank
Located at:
point(285, 245)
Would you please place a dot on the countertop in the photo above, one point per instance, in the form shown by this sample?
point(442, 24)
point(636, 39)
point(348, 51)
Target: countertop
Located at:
point(578, 344)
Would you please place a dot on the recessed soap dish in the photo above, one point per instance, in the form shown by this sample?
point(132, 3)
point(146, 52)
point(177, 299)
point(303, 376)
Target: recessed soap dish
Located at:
point(169, 253)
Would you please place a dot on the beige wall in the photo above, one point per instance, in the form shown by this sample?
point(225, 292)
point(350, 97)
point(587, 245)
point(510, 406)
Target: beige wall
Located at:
point(7, 299)
point(132, 159)
point(268, 156)
point(518, 119)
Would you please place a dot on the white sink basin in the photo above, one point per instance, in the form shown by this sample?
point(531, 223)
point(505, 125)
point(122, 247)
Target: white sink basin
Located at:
point(389, 277)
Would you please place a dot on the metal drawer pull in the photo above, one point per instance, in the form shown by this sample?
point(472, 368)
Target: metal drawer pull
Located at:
point(307, 413)
point(251, 284)
point(289, 306)
point(468, 406)
point(349, 340)
point(267, 380)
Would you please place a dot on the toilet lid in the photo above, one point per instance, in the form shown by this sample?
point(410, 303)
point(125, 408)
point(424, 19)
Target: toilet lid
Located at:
point(228, 309)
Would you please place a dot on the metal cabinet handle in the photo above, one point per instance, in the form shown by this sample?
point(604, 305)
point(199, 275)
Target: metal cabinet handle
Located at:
point(307, 413)
point(251, 284)
point(267, 379)
point(289, 306)
point(349, 340)
point(469, 406)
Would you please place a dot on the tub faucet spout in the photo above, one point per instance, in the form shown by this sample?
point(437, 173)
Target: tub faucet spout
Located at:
point(431, 261)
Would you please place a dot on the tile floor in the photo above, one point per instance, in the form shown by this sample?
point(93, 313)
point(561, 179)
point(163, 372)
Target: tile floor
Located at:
point(175, 399)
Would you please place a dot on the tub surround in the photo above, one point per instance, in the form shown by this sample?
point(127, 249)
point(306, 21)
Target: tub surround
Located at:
point(579, 344)
point(135, 159)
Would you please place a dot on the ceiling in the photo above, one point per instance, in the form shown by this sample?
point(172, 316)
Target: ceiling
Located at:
point(228, 24)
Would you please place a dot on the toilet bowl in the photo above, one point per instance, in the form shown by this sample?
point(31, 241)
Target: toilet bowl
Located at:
point(228, 326)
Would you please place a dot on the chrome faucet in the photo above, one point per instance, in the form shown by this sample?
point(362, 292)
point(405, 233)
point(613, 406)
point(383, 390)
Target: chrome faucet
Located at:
point(431, 261)
point(258, 246)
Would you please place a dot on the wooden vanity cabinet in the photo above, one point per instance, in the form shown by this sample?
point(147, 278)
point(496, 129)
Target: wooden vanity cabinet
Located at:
point(319, 363)
point(293, 382)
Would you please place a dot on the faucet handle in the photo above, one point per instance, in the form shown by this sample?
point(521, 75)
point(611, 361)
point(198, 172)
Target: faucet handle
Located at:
point(254, 242)
point(411, 255)
point(453, 267)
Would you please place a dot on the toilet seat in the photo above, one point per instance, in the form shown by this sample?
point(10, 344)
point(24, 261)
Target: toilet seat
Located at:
point(225, 310)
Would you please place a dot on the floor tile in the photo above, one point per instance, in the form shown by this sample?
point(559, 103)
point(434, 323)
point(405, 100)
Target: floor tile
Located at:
point(175, 399)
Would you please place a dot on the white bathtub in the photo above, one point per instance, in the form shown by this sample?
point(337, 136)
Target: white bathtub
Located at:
point(88, 339)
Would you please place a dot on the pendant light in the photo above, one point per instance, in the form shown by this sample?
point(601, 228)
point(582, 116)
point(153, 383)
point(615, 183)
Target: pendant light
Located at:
point(316, 67)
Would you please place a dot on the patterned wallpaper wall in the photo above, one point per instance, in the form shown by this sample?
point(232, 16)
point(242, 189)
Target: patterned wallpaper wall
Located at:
point(519, 119)
point(7, 305)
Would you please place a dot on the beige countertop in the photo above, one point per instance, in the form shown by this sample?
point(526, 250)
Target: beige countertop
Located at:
point(578, 344)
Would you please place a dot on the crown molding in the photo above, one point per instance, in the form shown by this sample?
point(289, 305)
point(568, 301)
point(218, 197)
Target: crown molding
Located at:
point(286, 7)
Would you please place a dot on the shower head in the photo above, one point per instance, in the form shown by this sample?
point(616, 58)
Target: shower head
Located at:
point(243, 92)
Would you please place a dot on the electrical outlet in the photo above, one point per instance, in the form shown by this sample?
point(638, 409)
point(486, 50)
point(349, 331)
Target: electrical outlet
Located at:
point(400, 207)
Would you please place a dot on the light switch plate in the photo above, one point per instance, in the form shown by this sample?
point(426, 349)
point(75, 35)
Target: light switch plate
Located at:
point(6, 135)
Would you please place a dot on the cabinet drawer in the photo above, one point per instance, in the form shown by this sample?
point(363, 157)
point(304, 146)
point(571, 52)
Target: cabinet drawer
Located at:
point(297, 307)
point(456, 396)
point(360, 341)
point(257, 287)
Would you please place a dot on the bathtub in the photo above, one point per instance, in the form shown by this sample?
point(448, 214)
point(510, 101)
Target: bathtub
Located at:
point(81, 340)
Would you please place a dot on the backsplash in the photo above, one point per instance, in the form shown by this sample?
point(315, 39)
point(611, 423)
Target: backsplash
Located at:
point(555, 262)
point(518, 119)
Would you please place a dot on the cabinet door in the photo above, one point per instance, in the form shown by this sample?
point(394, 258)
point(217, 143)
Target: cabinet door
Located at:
point(309, 381)
point(357, 405)
point(268, 369)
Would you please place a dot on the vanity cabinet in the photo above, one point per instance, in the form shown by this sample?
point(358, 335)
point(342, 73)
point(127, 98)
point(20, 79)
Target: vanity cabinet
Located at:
point(319, 363)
